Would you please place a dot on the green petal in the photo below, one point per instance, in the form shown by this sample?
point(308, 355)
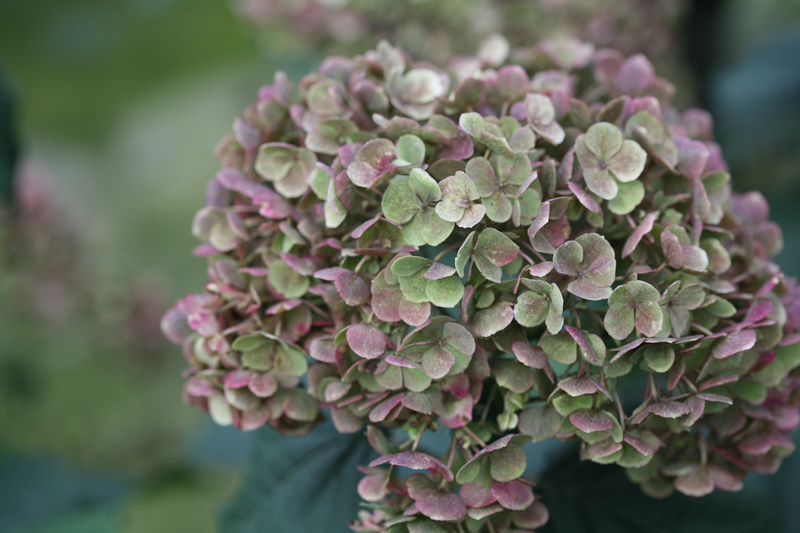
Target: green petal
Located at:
point(335, 211)
point(414, 287)
point(424, 186)
point(372, 160)
point(319, 181)
point(649, 319)
point(286, 280)
point(489, 270)
point(399, 203)
point(437, 362)
point(498, 207)
point(274, 161)
point(480, 171)
point(415, 379)
point(458, 338)
point(445, 292)
point(449, 211)
point(619, 320)
point(496, 247)
point(560, 348)
point(659, 357)
point(494, 318)
point(513, 375)
point(568, 258)
point(541, 422)
point(531, 309)
point(331, 135)
point(464, 254)
point(641, 291)
point(629, 162)
point(530, 202)
point(628, 197)
point(411, 149)
point(604, 140)
point(507, 464)
point(427, 228)
point(409, 265)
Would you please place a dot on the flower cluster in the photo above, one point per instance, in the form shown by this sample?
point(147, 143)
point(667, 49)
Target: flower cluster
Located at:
point(512, 253)
point(41, 248)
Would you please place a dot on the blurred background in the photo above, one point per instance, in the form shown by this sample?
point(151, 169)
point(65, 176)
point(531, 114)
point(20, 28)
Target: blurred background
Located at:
point(116, 108)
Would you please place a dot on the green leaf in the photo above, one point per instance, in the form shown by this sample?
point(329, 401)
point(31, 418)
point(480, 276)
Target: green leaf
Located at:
point(584, 497)
point(300, 483)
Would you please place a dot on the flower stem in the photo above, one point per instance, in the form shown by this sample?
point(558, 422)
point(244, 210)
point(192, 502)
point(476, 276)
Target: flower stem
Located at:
point(445, 251)
point(474, 436)
point(452, 451)
point(488, 403)
point(419, 435)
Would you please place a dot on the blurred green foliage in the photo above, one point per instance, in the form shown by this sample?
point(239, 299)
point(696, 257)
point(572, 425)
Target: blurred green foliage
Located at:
point(119, 105)
point(80, 62)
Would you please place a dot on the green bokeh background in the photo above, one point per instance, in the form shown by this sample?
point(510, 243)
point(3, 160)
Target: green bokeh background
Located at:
point(119, 106)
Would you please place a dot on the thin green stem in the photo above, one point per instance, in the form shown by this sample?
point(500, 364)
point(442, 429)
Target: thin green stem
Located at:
point(619, 408)
point(419, 435)
point(488, 403)
point(361, 263)
point(445, 251)
point(452, 451)
point(473, 436)
point(653, 388)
